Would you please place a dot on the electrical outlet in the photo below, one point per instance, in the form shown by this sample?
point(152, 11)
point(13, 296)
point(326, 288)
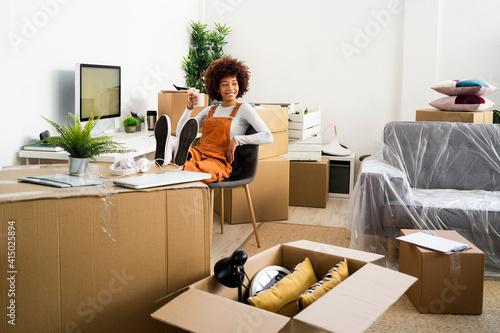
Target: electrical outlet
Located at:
point(117, 123)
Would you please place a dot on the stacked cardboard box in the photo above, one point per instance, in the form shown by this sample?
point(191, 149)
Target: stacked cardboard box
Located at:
point(481, 117)
point(276, 119)
point(173, 103)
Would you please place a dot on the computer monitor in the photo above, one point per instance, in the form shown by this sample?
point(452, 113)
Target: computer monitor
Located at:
point(97, 91)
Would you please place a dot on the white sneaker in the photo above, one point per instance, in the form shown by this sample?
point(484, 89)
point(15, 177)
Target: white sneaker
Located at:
point(163, 154)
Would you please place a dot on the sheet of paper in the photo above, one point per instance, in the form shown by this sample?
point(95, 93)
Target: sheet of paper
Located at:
point(433, 242)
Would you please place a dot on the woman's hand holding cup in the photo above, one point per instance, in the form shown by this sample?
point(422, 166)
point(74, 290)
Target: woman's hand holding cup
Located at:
point(192, 100)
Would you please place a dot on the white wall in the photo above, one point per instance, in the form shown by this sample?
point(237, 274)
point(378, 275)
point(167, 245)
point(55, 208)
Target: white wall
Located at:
point(366, 62)
point(43, 39)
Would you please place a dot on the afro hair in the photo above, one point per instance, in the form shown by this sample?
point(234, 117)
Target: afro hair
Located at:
point(224, 67)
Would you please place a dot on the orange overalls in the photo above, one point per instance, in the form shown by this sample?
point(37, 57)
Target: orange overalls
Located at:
point(209, 155)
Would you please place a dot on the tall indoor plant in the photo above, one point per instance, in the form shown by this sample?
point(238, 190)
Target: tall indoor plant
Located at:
point(206, 46)
point(77, 141)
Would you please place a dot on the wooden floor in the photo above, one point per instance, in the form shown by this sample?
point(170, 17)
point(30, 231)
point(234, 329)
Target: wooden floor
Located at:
point(235, 234)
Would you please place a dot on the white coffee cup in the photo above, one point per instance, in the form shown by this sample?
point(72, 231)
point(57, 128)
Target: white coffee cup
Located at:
point(201, 99)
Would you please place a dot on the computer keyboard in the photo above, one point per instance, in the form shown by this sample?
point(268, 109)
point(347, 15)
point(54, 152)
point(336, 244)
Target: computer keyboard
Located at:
point(136, 142)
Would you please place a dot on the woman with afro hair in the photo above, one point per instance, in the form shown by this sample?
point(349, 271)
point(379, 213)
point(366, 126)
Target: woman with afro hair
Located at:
point(223, 125)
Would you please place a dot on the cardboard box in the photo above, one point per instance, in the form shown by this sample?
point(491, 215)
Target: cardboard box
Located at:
point(269, 191)
point(278, 147)
point(481, 117)
point(309, 183)
point(352, 306)
point(173, 103)
point(276, 118)
point(96, 259)
point(447, 282)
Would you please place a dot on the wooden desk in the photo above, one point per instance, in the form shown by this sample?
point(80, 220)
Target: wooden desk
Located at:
point(97, 259)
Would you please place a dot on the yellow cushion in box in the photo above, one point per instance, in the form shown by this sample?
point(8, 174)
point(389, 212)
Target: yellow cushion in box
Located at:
point(334, 276)
point(282, 297)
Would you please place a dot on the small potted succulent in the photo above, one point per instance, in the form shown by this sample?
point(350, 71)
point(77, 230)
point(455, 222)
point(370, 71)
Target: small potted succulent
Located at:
point(142, 117)
point(80, 145)
point(130, 124)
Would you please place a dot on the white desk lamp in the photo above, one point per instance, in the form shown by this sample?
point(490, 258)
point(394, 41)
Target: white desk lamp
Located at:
point(334, 147)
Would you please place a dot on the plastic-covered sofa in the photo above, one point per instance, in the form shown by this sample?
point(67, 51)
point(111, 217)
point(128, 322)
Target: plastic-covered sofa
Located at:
point(430, 176)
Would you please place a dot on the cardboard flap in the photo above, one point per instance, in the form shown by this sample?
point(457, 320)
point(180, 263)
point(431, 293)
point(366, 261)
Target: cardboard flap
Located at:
point(336, 250)
point(198, 311)
point(355, 304)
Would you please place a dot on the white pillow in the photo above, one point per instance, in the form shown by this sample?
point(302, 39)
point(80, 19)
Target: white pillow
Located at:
point(464, 87)
point(462, 103)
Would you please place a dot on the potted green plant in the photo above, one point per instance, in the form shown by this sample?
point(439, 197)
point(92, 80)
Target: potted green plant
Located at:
point(77, 141)
point(206, 46)
point(130, 124)
point(142, 117)
point(496, 117)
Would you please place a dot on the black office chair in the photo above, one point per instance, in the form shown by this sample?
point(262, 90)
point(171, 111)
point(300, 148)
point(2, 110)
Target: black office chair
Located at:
point(244, 171)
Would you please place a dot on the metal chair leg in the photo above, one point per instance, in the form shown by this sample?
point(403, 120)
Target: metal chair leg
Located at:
point(250, 206)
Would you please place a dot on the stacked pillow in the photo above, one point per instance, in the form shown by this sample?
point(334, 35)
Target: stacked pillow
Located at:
point(463, 95)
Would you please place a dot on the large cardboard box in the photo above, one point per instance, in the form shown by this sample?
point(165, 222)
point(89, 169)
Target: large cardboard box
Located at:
point(352, 306)
point(447, 282)
point(269, 191)
point(276, 119)
point(96, 259)
point(173, 103)
point(482, 117)
point(309, 183)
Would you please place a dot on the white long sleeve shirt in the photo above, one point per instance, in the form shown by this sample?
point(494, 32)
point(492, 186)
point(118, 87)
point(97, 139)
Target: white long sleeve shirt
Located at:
point(245, 116)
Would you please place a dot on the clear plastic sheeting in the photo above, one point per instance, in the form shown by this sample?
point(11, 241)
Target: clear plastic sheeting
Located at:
point(429, 176)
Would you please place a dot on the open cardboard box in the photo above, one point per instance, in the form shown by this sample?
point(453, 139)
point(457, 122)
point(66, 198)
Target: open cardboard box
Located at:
point(352, 306)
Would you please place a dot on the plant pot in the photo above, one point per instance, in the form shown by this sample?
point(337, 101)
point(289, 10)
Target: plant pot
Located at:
point(78, 166)
point(130, 129)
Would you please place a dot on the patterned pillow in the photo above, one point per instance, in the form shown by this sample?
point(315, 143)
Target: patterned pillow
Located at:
point(282, 297)
point(337, 274)
point(464, 87)
point(462, 103)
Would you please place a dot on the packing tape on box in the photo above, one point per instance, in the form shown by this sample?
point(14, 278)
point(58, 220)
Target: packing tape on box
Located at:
point(455, 264)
